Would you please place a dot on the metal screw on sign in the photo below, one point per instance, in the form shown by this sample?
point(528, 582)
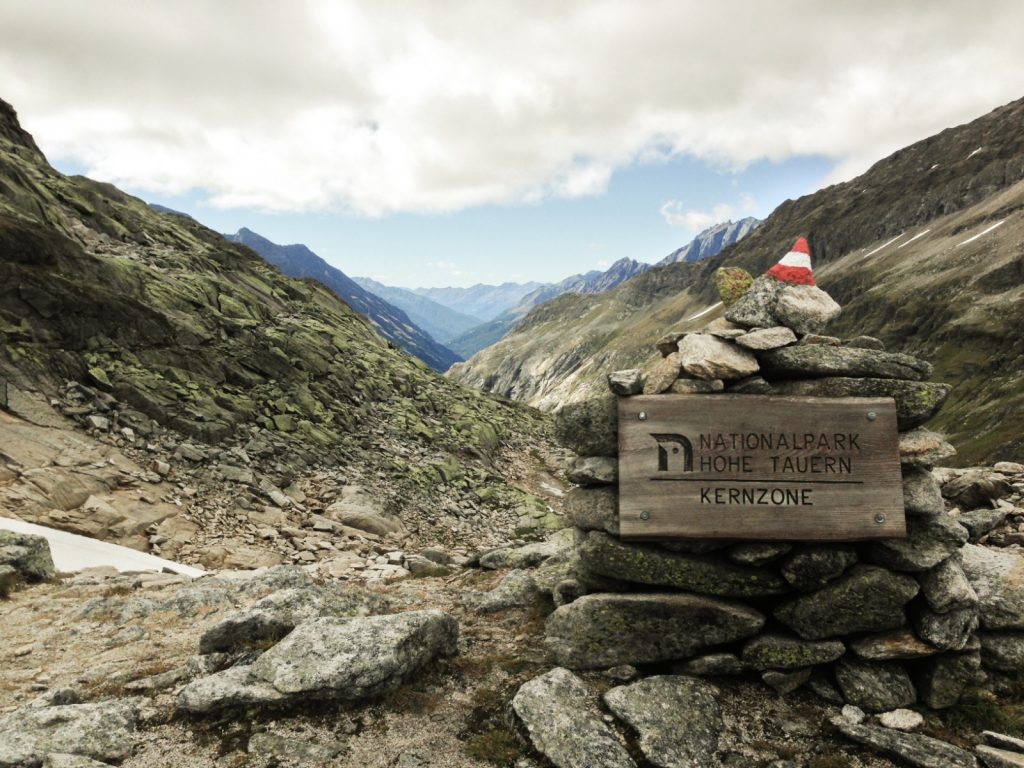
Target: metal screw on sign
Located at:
point(879, 518)
point(645, 515)
point(642, 415)
point(872, 415)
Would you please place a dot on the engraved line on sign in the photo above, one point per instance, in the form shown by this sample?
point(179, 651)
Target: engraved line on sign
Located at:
point(664, 479)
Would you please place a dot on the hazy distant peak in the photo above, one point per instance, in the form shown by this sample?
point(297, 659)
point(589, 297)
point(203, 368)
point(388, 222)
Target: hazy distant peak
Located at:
point(712, 240)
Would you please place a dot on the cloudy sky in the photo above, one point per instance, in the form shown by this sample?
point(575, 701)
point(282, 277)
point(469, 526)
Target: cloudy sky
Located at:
point(445, 142)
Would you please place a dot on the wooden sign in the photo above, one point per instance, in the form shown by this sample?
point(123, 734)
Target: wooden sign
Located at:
point(759, 467)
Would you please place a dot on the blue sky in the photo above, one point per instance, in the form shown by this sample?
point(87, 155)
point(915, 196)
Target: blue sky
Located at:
point(427, 143)
point(543, 241)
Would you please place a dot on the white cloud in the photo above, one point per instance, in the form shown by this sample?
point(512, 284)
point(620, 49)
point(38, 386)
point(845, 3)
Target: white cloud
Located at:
point(392, 106)
point(678, 216)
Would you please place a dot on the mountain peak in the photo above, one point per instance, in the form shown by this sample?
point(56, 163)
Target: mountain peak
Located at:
point(712, 240)
point(11, 130)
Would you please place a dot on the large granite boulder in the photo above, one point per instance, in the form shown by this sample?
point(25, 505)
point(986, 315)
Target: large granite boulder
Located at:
point(606, 556)
point(805, 308)
point(102, 731)
point(331, 659)
point(677, 719)
point(277, 614)
point(357, 658)
point(603, 630)
point(564, 724)
point(865, 599)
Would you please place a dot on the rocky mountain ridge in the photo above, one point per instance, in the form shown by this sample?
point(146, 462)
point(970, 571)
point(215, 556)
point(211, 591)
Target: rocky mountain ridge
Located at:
point(712, 240)
point(897, 248)
point(390, 321)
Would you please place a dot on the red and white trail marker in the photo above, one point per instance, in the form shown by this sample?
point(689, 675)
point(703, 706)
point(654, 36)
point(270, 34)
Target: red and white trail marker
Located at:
point(795, 266)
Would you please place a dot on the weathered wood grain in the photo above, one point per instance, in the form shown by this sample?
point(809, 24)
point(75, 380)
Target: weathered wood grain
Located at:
point(774, 482)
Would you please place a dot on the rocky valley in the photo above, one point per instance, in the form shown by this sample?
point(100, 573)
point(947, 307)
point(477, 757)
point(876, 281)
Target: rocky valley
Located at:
point(365, 563)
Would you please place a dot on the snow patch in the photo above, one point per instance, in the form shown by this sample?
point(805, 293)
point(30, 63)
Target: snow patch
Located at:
point(703, 312)
point(72, 552)
point(883, 245)
point(983, 232)
point(934, 167)
point(974, 152)
point(919, 234)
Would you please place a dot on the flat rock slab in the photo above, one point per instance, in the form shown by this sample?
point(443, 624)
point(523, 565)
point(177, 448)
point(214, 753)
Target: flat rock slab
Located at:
point(603, 630)
point(1003, 741)
point(898, 644)
point(865, 599)
point(354, 659)
point(103, 731)
point(875, 686)
point(998, 578)
point(330, 659)
point(704, 356)
point(232, 688)
point(992, 757)
point(916, 401)
point(816, 360)
point(912, 748)
point(767, 338)
point(678, 719)
point(277, 614)
point(925, 448)
point(607, 556)
point(564, 724)
point(771, 651)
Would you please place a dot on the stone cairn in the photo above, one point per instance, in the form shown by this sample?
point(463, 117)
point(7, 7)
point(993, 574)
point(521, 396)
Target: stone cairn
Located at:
point(879, 625)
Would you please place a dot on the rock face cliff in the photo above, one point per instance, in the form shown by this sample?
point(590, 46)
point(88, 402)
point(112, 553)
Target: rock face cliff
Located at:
point(390, 321)
point(896, 246)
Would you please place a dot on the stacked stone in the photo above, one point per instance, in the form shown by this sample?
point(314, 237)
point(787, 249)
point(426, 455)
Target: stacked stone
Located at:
point(880, 625)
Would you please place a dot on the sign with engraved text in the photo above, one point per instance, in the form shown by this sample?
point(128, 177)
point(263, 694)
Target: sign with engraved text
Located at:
point(759, 467)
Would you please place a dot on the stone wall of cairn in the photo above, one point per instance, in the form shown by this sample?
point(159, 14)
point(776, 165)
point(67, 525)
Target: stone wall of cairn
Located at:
point(880, 624)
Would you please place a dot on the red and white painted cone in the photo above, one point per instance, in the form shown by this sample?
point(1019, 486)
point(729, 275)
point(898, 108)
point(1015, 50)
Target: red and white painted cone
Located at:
point(795, 266)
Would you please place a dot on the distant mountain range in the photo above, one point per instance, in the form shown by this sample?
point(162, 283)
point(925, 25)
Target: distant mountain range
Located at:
point(483, 301)
point(500, 307)
point(390, 321)
point(595, 281)
point(712, 240)
point(441, 322)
